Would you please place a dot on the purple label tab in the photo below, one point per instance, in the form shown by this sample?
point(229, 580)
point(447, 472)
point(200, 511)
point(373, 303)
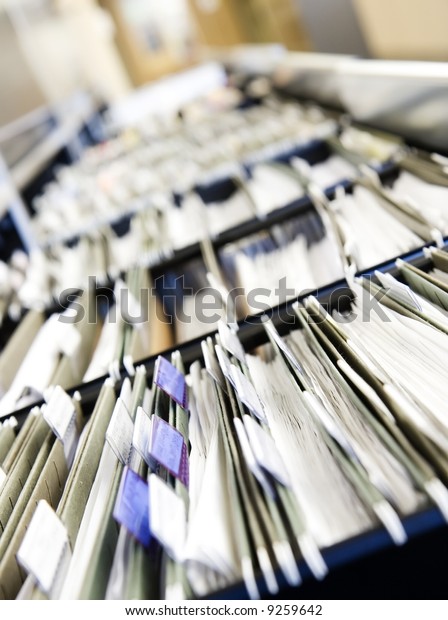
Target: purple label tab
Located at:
point(131, 507)
point(169, 449)
point(184, 471)
point(171, 381)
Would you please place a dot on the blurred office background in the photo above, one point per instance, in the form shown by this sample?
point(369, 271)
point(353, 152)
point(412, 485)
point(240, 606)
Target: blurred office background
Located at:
point(50, 49)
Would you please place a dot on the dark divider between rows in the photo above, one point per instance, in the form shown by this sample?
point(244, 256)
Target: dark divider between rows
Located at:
point(335, 296)
point(368, 566)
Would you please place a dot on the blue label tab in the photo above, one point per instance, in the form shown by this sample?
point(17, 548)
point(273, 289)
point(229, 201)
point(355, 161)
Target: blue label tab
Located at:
point(171, 381)
point(131, 507)
point(184, 471)
point(167, 446)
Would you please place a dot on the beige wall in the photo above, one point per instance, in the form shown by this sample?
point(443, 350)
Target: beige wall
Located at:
point(234, 22)
point(20, 92)
point(142, 65)
point(333, 26)
point(217, 24)
point(72, 49)
point(414, 29)
point(46, 60)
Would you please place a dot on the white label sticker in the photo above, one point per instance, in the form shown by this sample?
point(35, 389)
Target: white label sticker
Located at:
point(142, 431)
point(266, 451)
point(60, 415)
point(247, 393)
point(44, 546)
point(167, 517)
point(59, 412)
point(120, 431)
point(230, 341)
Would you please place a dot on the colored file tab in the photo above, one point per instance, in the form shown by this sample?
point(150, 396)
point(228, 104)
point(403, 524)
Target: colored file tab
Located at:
point(184, 475)
point(131, 507)
point(167, 446)
point(171, 381)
